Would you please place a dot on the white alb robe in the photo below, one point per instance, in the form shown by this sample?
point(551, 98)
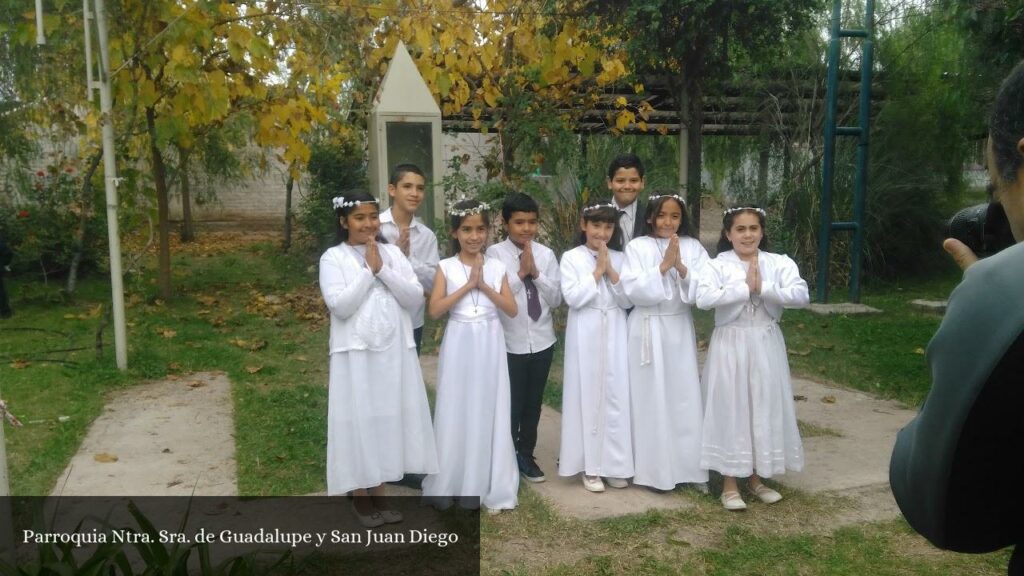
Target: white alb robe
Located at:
point(596, 429)
point(749, 419)
point(665, 393)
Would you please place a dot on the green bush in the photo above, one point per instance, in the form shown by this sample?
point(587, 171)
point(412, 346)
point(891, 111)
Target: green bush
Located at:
point(333, 167)
point(41, 222)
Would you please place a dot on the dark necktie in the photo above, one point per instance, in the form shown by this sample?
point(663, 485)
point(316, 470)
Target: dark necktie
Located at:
point(532, 299)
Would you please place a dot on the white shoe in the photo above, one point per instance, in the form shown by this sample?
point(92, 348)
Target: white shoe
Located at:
point(766, 494)
point(731, 500)
point(617, 482)
point(593, 483)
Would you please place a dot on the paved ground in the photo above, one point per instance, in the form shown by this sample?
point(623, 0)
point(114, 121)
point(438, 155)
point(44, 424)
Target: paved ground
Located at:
point(163, 438)
point(173, 436)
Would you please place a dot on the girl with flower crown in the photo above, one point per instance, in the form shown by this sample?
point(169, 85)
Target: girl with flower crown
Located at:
point(596, 435)
point(660, 278)
point(378, 419)
point(749, 420)
point(473, 409)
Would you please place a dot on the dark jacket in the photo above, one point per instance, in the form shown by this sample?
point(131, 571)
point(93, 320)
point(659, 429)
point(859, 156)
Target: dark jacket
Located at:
point(956, 468)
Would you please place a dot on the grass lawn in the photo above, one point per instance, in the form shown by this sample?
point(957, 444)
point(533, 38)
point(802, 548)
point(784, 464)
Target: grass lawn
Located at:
point(243, 308)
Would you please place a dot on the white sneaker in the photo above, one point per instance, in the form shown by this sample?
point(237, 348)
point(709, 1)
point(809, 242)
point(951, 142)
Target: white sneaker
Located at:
point(617, 482)
point(593, 483)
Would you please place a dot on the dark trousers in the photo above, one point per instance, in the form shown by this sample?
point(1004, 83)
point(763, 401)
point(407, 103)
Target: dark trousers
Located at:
point(417, 335)
point(5, 303)
point(527, 374)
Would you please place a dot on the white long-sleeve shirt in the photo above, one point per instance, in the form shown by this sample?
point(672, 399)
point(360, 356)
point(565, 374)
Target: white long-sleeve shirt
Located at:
point(524, 335)
point(423, 254)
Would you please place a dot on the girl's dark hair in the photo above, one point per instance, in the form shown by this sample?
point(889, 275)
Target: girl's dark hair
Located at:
point(606, 213)
point(361, 196)
point(654, 205)
point(455, 220)
point(727, 219)
point(1006, 126)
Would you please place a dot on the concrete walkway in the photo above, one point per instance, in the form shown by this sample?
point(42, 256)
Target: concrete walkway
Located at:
point(848, 456)
point(171, 437)
point(165, 438)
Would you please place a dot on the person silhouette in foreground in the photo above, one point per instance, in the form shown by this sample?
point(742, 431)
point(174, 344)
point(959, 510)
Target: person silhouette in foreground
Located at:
point(956, 469)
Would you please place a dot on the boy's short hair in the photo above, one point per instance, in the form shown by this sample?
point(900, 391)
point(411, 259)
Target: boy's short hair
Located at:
point(401, 170)
point(518, 202)
point(628, 160)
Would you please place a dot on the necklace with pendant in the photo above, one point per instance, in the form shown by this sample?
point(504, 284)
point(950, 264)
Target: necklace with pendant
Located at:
point(474, 294)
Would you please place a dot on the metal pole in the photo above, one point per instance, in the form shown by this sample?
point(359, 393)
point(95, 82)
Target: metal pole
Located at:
point(861, 184)
point(89, 83)
point(40, 33)
point(828, 156)
point(110, 177)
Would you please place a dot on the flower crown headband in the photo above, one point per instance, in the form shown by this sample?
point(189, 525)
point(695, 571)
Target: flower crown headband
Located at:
point(463, 212)
point(340, 202)
point(741, 208)
point(676, 196)
point(589, 209)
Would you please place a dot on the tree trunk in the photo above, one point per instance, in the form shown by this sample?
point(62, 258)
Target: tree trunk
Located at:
point(188, 232)
point(762, 167)
point(163, 225)
point(695, 141)
point(85, 210)
point(286, 244)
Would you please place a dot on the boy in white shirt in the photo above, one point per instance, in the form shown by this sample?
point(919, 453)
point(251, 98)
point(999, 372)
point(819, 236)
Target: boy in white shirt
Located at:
point(400, 226)
point(533, 275)
point(626, 182)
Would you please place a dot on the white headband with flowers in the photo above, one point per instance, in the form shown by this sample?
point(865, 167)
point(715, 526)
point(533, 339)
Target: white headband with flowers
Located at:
point(676, 196)
point(463, 212)
point(340, 202)
point(588, 209)
point(742, 208)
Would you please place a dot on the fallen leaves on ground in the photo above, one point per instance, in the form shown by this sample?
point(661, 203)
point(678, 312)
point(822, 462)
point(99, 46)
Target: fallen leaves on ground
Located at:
point(799, 352)
point(251, 345)
point(305, 303)
point(105, 458)
point(167, 332)
point(829, 399)
point(20, 364)
point(253, 369)
point(196, 384)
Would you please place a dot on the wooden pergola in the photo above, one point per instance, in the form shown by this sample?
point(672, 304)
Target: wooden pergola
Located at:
point(734, 109)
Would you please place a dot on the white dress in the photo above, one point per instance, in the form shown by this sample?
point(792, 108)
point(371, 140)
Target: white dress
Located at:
point(472, 416)
point(749, 419)
point(378, 419)
point(665, 393)
point(596, 434)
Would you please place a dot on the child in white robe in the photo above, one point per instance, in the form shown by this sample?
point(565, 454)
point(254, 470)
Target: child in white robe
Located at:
point(378, 419)
point(750, 426)
point(660, 279)
point(596, 433)
point(473, 409)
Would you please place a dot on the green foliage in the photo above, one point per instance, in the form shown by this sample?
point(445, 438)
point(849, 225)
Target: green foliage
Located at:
point(334, 166)
point(40, 221)
point(921, 138)
point(112, 558)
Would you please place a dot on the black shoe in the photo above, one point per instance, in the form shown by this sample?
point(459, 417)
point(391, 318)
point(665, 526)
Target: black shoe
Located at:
point(529, 469)
point(414, 481)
